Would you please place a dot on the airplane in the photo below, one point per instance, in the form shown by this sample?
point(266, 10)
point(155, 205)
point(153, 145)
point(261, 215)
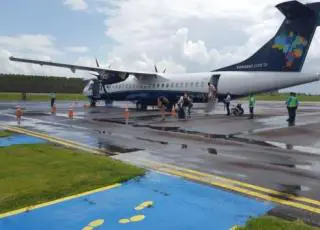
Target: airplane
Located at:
point(276, 65)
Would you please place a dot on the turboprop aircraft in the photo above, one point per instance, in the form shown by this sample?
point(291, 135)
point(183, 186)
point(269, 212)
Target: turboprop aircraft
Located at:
point(276, 65)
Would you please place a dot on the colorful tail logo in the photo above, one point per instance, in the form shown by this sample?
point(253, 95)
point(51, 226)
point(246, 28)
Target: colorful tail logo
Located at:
point(291, 45)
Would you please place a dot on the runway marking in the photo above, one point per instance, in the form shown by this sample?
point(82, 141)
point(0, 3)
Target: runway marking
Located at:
point(231, 187)
point(92, 225)
point(144, 205)
point(243, 184)
point(54, 139)
point(198, 176)
point(29, 208)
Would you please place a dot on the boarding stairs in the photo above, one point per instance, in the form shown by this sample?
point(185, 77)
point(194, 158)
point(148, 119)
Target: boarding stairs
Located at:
point(210, 107)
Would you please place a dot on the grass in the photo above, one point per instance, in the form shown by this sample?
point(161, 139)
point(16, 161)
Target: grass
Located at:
point(42, 97)
point(274, 223)
point(33, 174)
point(284, 97)
point(5, 133)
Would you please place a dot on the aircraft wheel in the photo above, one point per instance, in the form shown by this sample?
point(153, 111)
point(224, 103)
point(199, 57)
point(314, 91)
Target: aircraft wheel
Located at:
point(93, 103)
point(139, 106)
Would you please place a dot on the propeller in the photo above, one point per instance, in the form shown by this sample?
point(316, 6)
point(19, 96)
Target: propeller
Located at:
point(156, 69)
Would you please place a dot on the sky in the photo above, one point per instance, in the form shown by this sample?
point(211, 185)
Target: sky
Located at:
point(179, 35)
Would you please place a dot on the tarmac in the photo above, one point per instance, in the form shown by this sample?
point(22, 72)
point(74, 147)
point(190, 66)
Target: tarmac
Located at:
point(263, 158)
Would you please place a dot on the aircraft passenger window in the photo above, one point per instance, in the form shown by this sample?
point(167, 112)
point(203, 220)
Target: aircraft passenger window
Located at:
point(197, 84)
point(158, 85)
point(172, 85)
point(191, 84)
point(126, 85)
point(153, 85)
point(162, 85)
point(202, 84)
point(150, 86)
point(186, 84)
point(181, 84)
point(177, 85)
point(167, 85)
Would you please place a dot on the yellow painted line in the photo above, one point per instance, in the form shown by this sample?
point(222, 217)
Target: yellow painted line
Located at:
point(54, 139)
point(240, 190)
point(243, 184)
point(194, 176)
point(46, 136)
point(29, 208)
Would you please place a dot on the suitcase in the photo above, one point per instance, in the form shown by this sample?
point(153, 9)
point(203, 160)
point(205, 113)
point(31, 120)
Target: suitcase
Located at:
point(181, 114)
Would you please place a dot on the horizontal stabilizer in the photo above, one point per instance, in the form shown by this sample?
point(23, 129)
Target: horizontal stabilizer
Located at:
point(295, 10)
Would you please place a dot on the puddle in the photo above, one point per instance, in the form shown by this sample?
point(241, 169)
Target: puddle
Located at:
point(153, 141)
point(114, 149)
point(212, 151)
point(305, 149)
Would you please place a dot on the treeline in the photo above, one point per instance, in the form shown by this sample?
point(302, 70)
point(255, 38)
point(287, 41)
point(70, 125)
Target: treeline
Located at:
point(40, 84)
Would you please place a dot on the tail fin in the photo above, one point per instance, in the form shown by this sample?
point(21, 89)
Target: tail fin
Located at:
point(287, 50)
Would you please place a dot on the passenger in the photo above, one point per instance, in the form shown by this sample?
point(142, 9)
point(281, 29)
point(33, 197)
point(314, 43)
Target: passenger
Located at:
point(227, 101)
point(292, 105)
point(212, 92)
point(163, 105)
point(187, 105)
point(252, 103)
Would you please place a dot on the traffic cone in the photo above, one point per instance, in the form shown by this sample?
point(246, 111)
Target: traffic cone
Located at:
point(173, 112)
point(70, 113)
point(53, 109)
point(126, 114)
point(18, 114)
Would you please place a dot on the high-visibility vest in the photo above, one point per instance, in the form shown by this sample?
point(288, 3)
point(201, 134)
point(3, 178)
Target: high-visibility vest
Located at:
point(292, 102)
point(252, 101)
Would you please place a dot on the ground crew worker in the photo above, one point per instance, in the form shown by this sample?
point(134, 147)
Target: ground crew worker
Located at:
point(53, 98)
point(292, 105)
point(252, 103)
point(227, 101)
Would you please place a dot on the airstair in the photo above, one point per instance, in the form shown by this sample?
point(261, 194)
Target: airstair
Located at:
point(209, 109)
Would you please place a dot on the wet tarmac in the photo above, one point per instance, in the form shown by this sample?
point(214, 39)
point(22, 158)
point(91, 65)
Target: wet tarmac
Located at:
point(263, 151)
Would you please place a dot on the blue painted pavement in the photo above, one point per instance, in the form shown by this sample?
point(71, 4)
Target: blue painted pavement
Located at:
point(175, 204)
point(19, 139)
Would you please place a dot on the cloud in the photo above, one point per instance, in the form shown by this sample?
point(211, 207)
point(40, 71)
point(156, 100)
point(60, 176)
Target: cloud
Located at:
point(38, 46)
point(192, 35)
point(77, 49)
point(37, 43)
point(76, 4)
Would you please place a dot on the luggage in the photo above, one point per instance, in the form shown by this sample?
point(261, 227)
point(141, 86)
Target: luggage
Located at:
point(181, 114)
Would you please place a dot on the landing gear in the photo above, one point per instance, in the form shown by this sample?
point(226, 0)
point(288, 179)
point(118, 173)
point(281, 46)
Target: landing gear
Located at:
point(108, 103)
point(93, 103)
point(141, 106)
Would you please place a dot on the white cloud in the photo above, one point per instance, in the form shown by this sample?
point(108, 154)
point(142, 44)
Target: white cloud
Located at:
point(190, 35)
point(41, 47)
point(76, 4)
point(37, 43)
point(77, 49)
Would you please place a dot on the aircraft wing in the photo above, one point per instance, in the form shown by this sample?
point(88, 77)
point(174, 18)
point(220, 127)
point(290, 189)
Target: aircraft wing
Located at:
point(104, 73)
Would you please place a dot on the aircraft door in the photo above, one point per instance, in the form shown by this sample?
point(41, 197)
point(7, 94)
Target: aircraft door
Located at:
point(96, 89)
point(215, 80)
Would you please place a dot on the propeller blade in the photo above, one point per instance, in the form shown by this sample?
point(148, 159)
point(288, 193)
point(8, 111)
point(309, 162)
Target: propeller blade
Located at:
point(155, 68)
point(97, 63)
point(97, 75)
point(164, 70)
